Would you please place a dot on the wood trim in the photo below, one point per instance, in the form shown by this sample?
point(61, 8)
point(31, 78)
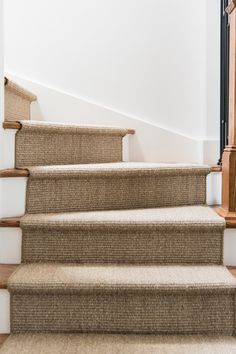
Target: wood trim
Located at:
point(216, 168)
point(228, 209)
point(14, 173)
point(231, 7)
point(10, 222)
point(11, 125)
point(130, 131)
point(3, 337)
point(230, 217)
point(232, 271)
point(6, 271)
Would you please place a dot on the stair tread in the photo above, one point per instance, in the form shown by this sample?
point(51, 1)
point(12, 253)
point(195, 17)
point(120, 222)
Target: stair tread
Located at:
point(119, 344)
point(74, 277)
point(182, 216)
point(118, 168)
point(54, 127)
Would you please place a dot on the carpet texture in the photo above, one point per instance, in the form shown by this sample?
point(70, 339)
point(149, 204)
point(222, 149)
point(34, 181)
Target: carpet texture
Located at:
point(17, 101)
point(117, 344)
point(116, 247)
point(56, 189)
point(41, 143)
point(123, 299)
point(191, 234)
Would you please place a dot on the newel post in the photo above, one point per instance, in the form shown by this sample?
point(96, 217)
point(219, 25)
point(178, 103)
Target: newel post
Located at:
point(228, 209)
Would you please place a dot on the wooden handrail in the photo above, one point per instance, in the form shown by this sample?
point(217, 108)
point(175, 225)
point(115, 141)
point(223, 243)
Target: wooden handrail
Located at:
point(228, 209)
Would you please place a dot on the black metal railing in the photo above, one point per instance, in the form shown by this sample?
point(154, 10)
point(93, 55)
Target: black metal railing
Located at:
point(224, 78)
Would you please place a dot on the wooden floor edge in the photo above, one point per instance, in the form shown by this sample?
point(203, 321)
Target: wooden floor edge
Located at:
point(14, 172)
point(232, 270)
point(10, 222)
point(3, 337)
point(6, 271)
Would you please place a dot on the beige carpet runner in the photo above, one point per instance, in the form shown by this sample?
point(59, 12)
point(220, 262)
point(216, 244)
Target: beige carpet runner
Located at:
point(120, 249)
point(40, 144)
point(118, 344)
point(184, 235)
point(56, 189)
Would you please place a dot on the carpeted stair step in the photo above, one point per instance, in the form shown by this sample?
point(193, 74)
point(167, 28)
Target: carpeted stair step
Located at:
point(44, 143)
point(67, 188)
point(119, 344)
point(192, 234)
point(128, 299)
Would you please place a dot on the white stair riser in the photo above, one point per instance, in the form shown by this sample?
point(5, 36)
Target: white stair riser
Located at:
point(230, 247)
point(12, 196)
point(4, 311)
point(214, 185)
point(7, 159)
point(10, 246)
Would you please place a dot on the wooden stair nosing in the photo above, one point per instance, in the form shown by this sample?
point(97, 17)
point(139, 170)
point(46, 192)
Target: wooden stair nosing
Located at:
point(14, 172)
point(10, 222)
point(11, 125)
point(6, 271)
point(3, 337)
point(232, 271)
point(17, 125)
point(230, 217)
point(130, 131)
point(216, 168)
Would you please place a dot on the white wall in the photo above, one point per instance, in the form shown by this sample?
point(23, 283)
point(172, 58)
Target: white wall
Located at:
point(150, 142)
point(213, 69)
point(148, 59)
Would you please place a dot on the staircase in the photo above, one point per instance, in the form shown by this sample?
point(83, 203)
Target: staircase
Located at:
point(117, 256)
point(114, 247)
